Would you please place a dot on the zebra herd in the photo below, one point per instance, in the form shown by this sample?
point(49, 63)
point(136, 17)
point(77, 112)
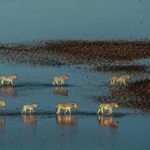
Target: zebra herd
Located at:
point(8, 80)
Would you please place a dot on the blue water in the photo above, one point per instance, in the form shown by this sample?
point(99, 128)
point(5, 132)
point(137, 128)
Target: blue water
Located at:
point(82, 129)
point(32, 20)
point(27, 20)
point(132, 133)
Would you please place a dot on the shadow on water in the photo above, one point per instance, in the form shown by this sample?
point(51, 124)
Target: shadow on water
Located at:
point(27, 85)
point(53, 114)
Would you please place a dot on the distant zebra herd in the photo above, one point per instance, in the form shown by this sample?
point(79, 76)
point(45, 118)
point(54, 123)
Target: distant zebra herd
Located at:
point(8, 80)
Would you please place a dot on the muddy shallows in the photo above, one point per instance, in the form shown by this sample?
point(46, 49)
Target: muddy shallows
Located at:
point(129, 69)
point(135, 95)
point(76, 52)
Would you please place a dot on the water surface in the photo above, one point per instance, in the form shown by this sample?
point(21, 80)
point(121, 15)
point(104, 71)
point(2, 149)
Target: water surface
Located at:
point(81, 130)
point(28, 20)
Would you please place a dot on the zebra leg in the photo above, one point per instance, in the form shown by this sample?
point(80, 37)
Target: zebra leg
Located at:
point(11, 82)
point(110, 111)
point(69, 111)
point(22, 111)
point(111, 82)
point(62, 82)
point(66, 111)
point(124, 82)
point(101, 110)
point(98, 110)
point(30, 111)
point(58, 111)
point(54, 82)
point(2, 82)
point(120, 82)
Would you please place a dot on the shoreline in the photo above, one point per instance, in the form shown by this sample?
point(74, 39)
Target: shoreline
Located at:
point(135, 95)
point(81, 52)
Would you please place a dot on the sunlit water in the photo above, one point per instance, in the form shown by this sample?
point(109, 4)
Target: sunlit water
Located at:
point(81, 130)
point(45, 133)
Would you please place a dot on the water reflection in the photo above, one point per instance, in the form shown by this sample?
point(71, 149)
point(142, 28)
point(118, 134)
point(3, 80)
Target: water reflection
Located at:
point(107, 121)
point(8, 91)
point(60, 91)
point(66, 120)
point(29, 119)
point(2, 123)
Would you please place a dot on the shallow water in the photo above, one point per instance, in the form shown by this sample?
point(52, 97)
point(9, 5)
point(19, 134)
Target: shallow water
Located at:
point(125, 129)
point(131, 133)
point(28, 20)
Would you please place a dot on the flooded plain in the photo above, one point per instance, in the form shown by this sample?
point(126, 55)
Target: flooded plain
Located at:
point(127, 128)
point(90, 65)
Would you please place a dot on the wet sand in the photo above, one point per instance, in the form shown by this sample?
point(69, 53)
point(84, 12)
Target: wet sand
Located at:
point(134, 95)
point(79, 52)
point(130, 68)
